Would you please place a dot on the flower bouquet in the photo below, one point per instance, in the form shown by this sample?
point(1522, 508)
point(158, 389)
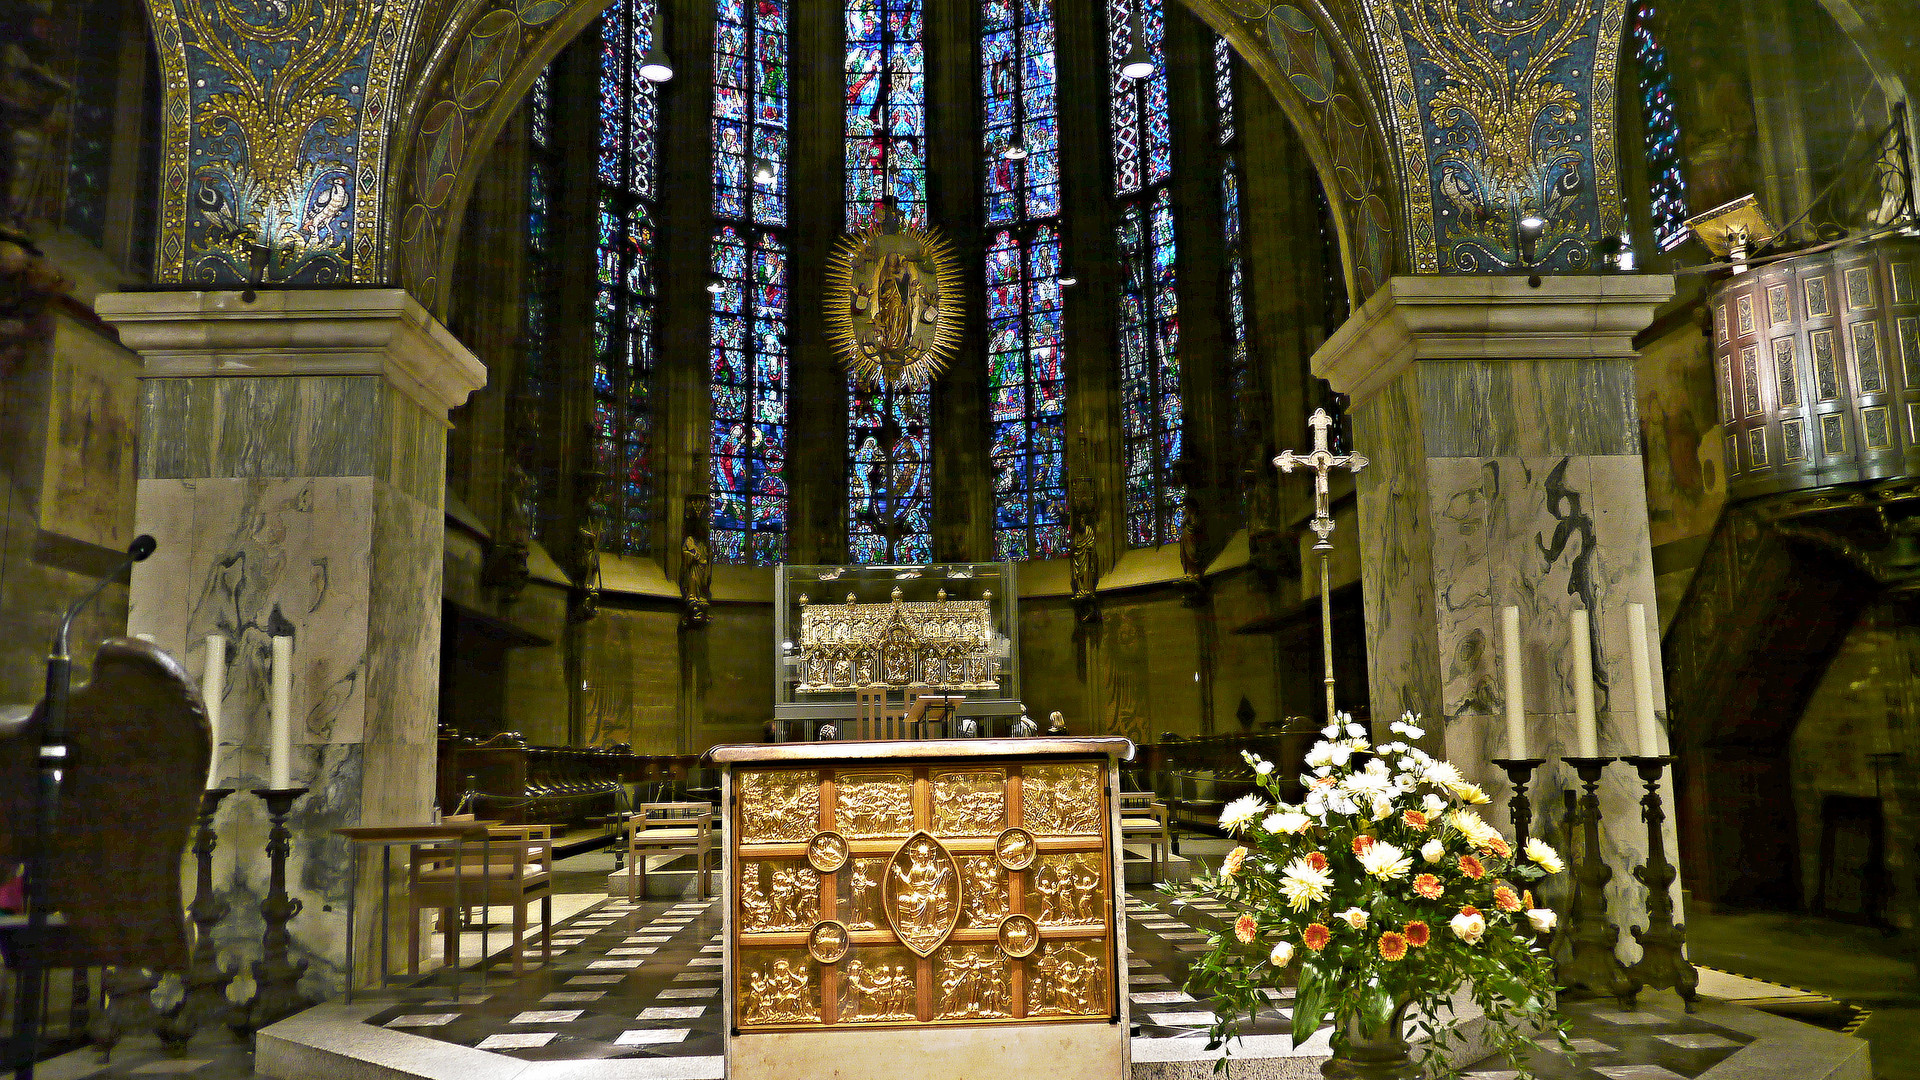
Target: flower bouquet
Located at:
point(1390, 892)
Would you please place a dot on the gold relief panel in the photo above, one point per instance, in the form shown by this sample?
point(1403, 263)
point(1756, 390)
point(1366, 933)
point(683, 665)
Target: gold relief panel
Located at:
point(778, 894)
point(1061, 800)
point(983, 891)
point(922, 893)
point(972, 982)
point(778, 986)
point(778, 806)
point(1068, 978)
point(857, 896)
point(877, 986)
point(873, 805)
point(969, 803)
point(1066, 890)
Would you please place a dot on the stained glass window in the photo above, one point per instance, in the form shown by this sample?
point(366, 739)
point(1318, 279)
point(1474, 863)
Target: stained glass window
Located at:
point(1027, 383)
point(1150, 405)
point(1017, 83)
point(747, 445)
point(1663, 131)
point(623, 305)
point(1142, 140)
point(536, 376)
point(886, 110)
point(890, 433)
point(1225, 110)
point(1227, 134)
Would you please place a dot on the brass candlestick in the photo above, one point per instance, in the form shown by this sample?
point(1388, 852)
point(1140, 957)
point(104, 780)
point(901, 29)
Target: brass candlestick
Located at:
point(1520, 808)
point(276, 991)
point(1594, 968)
point(206, 981)
point(1663, 961)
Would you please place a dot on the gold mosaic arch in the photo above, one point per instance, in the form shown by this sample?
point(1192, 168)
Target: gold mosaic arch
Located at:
point(971, 892)
point(449, 118)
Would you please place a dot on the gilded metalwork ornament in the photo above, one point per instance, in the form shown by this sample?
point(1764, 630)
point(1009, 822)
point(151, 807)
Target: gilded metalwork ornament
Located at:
point(778, 988)
point(1015, 849)
point(859, 896)
point(1019, 936)
point(1068, 980)
point(1068, 887)
point(827, 852)
point(893, 303)
point(972, 984)
point(922, 893)
point(828, 941)
point(983, 891)
point(944, 646)
point(874, 805)
point(972, 803)
point(779, 806)
point(777, 894)
point(877, 985)
point(1062, 799)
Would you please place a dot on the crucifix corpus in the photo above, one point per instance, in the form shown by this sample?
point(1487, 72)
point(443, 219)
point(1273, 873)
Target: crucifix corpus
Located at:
point(1322, 461)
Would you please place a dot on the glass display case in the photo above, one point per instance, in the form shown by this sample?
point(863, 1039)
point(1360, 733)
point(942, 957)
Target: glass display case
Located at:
point(945, 628)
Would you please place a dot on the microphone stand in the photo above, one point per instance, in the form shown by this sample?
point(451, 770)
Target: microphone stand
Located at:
point(46, 820)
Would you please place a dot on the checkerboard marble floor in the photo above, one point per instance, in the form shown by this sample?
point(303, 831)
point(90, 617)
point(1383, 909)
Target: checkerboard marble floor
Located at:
point(643, 981)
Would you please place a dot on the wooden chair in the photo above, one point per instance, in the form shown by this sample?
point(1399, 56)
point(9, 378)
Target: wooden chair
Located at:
point(663, 828)
point(515, 870)
point(875, 716)
point(1141, 814)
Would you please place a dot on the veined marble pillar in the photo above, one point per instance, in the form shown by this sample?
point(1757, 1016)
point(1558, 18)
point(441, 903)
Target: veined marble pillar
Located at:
point(292, 466)
point(1501, 423)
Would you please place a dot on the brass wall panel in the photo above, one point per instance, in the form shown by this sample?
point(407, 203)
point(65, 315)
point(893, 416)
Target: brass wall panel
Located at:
point(974, 892)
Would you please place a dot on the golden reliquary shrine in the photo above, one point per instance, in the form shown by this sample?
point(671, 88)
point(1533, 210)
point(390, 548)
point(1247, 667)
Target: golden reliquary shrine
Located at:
point(945, 644)
point(912, 886)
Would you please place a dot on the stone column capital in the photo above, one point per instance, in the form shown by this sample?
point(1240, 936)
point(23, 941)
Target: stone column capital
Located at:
point(187, 334)
point(1487, 318)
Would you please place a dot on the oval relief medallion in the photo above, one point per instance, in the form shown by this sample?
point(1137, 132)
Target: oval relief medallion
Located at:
point(828, 942)
point(1019, 936)
point(921, 893)
point(827, 852)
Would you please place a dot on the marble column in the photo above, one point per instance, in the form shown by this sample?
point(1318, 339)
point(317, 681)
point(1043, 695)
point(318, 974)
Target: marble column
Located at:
point(292, 460)
point(1499, 414)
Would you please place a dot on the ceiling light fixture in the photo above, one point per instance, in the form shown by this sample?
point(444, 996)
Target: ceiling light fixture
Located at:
point(762, 171)
point(1136, 64)
point(654, 66)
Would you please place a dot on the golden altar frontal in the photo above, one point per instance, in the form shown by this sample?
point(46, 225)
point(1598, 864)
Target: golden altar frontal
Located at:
point(887, 901)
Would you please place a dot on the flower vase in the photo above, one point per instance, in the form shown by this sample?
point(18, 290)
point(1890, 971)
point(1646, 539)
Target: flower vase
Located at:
point(1372, 1050)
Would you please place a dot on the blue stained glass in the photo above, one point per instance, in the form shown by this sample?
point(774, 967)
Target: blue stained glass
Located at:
point(749, 395)
point(750, 109)
point(623, 322)
point(886, 123)
point(1149, 333)
point(1142, 141)
point(1017, 78)
point(1669, 203)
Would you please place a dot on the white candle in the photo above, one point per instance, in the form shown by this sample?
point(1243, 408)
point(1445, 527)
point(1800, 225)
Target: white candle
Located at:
point(1516, 699)
point(213, 688)
point(1642, 680)
point(1585, 726)
point(280, 736)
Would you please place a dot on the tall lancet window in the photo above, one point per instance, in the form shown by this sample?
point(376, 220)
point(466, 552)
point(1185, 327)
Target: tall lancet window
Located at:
point(1025, 368)
point(748, 442)
point(1149, 323)
point(537, 378)
point(623, 308)
point(1663, 131)
point(1227, 134)
point(890, 433)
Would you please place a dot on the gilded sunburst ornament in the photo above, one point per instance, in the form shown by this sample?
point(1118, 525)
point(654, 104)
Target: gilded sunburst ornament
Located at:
point(893, 303)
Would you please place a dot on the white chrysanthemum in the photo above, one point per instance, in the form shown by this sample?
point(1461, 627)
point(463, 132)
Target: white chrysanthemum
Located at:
point(1542, 855)
point(1433, 851)
point(1374, 780)
point(1341, 803)
point(1240, 811)
point(1442, 774)
point(1470, 825)
point(1385, 861)
point(1291, 822)
point(1304, 886)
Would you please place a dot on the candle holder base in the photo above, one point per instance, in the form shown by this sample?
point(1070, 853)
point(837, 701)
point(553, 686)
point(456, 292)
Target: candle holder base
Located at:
point(205, 998)
point(1520, 808)
point(276, 976)
point(1663, 961)
point(1594, 970)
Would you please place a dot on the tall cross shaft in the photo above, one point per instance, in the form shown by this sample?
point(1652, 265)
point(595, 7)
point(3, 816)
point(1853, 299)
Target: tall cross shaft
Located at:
point(1322, 461)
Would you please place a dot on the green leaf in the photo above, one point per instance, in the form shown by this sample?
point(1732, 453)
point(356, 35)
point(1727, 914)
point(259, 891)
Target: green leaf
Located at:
point(1376, 1007)
point(1309, 1002)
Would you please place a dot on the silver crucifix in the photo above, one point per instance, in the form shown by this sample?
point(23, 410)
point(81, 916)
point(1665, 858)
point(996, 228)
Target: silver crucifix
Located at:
point(1322, 461)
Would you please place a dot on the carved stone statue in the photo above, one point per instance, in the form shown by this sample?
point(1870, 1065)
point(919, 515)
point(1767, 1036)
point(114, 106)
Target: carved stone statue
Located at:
point(506, 567)
point(696, 566)
point(1085, 564)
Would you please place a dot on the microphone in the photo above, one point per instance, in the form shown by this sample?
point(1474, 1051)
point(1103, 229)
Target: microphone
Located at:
point(142, 546)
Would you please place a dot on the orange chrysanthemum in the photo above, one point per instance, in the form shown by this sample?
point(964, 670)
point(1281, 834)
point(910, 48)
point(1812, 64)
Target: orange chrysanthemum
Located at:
point(1244, 928)
point(1316, 860)
point(1414, 819)
point(1428, 886)
point(1499, 847)
point(1469, 909)
point(1504, 899)
point(1393, 945)
point(1315, 936)
point(1418, 933)
point(1471, 867)
point(1361, 843)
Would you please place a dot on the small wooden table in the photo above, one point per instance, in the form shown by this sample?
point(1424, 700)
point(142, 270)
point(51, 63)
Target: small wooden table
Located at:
point(386, 838)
